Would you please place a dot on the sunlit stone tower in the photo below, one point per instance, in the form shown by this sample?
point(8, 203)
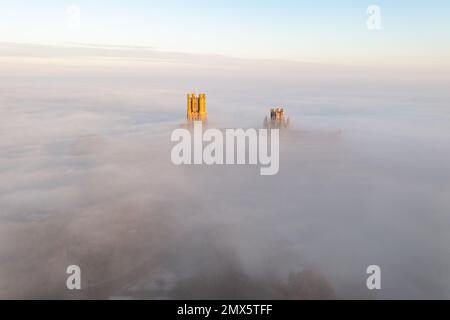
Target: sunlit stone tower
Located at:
point(277, 119)
point(202, 104)
point(196, 107)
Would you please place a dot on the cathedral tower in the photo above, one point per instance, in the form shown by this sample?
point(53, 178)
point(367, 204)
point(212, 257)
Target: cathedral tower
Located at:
point(196, 107)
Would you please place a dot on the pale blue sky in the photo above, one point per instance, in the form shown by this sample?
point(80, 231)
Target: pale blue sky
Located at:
point(318, 31)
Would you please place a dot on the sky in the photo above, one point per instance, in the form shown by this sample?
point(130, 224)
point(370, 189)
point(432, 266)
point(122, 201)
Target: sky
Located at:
point(412, 32)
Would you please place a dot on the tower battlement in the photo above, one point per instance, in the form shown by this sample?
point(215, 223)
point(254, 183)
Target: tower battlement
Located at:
point(196, 107)
point(277, 119)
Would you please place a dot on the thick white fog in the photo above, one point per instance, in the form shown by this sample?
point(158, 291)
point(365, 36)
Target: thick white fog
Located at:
point(86, 178)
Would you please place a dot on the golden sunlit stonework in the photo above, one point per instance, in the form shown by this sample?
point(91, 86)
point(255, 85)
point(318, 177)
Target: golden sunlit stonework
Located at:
point(196, 111)
point(196, 107)
point(277, 119)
